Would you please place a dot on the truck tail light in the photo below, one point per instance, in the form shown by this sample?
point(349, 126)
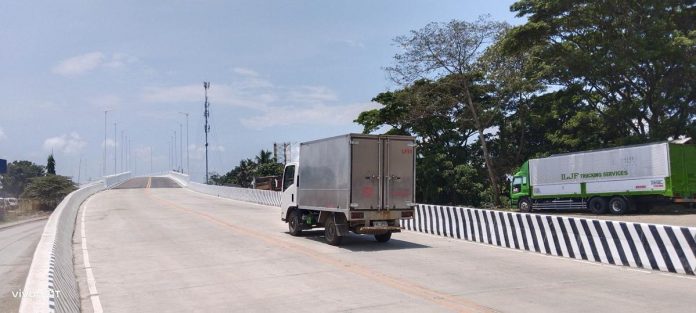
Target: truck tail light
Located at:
point(407, 214)
point(357, 215)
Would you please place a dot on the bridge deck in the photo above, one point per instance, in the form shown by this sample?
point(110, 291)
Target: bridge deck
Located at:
point(177, 250)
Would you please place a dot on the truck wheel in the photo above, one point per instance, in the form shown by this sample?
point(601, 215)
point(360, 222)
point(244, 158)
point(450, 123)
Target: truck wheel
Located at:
point(618, 205)
point(383, 237)
point(295, 223)
point(331, 232)
point(598, 205)
point(525, 205)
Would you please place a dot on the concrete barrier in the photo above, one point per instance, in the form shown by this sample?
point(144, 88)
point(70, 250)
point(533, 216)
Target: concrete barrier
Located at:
point(180, 178)
point(50, 285)
point(265, 197)
point(650, 246)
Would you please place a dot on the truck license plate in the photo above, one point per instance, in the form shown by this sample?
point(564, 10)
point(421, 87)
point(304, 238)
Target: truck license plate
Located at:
point(380, 223)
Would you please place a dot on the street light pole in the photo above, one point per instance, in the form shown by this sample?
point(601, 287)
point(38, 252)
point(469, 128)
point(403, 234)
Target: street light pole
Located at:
point(115, 147)
point(104, 161)
point(181, 148)
point(123, 150)
point(188, 165)
point(176, 162)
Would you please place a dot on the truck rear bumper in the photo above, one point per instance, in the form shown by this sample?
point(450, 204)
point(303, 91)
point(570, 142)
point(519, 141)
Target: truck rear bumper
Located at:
point(381, 215)
point(376, 230)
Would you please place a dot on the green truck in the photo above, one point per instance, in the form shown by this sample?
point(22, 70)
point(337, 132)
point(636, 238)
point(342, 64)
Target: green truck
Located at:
point(616, 180)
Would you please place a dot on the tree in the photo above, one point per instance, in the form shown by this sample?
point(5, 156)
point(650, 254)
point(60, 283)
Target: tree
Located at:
point(264, 156)
point(18, 176)
point(633, 61)
point(452, 50)
point(49, 190)
point(269, 169)
point(51, 165)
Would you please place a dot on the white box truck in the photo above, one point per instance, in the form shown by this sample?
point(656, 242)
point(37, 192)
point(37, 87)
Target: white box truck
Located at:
point(355, 182)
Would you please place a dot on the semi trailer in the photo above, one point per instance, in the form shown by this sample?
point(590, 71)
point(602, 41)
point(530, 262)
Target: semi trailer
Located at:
point(354, 182)
point(618, 180)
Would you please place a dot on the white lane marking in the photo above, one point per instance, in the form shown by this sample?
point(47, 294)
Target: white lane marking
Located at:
point(91, 282)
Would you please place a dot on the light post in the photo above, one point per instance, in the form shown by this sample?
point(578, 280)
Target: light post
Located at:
point(188, 165)
point(104, 161)
point(115, 147)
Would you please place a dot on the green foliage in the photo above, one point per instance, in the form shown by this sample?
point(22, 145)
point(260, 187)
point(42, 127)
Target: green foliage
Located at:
point(635, 68)
point(18, 176)
point(49, 190)
point(51, 165)
point(243, 174)
point(482, 97)
point(269, 169)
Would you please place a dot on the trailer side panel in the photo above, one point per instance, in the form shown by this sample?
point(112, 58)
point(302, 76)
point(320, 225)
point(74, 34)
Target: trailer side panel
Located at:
point(636, 169)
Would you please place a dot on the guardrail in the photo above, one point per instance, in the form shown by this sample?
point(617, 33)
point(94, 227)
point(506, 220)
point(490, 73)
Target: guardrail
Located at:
point(639, 245)
point(50, 285)
point(265, 197)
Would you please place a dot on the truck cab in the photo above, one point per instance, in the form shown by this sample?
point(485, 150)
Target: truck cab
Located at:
point(519, 187)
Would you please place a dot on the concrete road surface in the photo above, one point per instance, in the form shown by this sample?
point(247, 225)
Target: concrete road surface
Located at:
point(174, 250)
point(17, 244)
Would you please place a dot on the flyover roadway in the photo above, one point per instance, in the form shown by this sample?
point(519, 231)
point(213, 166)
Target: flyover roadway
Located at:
point(175, 250)
point(17, 245)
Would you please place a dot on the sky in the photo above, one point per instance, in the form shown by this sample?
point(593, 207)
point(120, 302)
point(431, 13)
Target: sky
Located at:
point(280, 71)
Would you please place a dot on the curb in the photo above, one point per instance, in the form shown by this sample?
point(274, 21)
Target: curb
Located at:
point(22, 222)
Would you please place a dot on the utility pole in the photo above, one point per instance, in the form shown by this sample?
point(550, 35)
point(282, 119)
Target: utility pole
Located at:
point(115, 147)
point(151, 160)
point(188, 164)
point(104, 161)
point(206, 114)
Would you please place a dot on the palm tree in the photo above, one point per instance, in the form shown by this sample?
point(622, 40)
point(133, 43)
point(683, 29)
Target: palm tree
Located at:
point(264, 157)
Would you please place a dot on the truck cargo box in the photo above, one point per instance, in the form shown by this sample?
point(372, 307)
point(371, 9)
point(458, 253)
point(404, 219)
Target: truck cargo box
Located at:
point(632, 169)
point(362, 172)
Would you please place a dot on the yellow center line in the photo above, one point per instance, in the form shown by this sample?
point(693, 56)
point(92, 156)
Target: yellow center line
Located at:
point(411, 288)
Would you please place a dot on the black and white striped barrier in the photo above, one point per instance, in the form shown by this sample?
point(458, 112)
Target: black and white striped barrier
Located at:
point(649, 246)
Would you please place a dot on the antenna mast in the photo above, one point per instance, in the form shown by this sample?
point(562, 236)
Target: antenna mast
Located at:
point(206, 114)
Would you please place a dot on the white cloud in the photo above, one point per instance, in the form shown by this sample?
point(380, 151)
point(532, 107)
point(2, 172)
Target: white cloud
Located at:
point(67, 143)
point(245, 72)
point(312, 114)
point(2, 134)
point(106, 102)
point(119, 60)
point(249, 94)
point(270, 105)
point(109, 143)
point(197, 152)
point(312, 94)
point(352, 43)
point(87, 62)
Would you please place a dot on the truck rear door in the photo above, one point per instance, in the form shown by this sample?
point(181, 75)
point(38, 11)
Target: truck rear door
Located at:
point(399, 163)
point(366, 189)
